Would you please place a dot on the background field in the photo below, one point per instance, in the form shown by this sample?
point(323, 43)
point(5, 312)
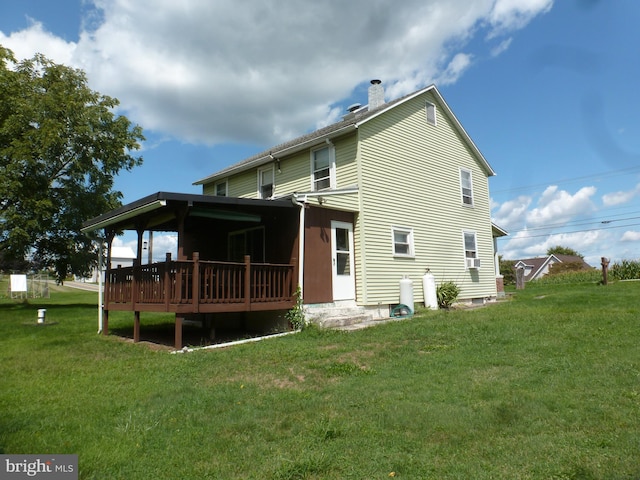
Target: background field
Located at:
point(545, 385)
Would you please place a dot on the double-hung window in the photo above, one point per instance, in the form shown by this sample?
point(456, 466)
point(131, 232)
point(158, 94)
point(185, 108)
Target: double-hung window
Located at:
point(265, 182)
point(466, 186)
point(402, 242)
point(323, 168)
point(221, 188)
point(471, 258)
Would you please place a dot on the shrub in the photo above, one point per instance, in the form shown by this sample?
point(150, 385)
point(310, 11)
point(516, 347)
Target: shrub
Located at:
point(583, 276)
point(296, 316)
point(447, 293)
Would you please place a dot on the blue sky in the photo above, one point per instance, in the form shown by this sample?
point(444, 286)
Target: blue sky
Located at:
point(545, 88)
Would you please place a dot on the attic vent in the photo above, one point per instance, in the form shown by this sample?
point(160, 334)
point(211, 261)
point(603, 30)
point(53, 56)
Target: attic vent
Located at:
point(354, 107)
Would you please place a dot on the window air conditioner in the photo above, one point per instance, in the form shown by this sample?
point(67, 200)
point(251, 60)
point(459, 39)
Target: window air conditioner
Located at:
point(473, 263)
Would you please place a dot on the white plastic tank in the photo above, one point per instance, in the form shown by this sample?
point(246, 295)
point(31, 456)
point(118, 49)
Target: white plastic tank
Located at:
point(429, 289)
point(42, 313)
point(406, 292)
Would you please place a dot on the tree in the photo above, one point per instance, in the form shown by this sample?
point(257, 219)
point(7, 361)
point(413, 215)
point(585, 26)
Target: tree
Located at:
point(560, 250)
point(60, 147)
point(507, 270)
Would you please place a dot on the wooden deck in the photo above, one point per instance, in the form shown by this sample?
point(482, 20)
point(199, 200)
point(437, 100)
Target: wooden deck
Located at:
point(186, 287)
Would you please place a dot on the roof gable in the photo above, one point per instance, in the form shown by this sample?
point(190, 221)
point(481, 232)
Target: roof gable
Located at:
point(349, 123)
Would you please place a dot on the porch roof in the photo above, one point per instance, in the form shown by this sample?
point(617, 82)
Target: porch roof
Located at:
point(160, 211)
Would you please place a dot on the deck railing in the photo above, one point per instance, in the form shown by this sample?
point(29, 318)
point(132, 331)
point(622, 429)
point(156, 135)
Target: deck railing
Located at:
point(198, 285)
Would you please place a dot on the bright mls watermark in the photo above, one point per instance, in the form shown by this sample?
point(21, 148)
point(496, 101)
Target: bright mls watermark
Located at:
point(50, 467)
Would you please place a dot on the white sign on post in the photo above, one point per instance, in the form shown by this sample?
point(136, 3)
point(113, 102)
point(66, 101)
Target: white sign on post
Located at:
point(18, 283)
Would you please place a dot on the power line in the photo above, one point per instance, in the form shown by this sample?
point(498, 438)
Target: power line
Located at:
point(612, 173)
point(576, 223)
point(576, 231)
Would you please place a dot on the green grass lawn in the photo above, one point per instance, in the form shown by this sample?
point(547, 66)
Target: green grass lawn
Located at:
point(543, 386)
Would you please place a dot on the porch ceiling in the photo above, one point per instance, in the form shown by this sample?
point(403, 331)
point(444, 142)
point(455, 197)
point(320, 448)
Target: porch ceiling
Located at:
point(160, 211)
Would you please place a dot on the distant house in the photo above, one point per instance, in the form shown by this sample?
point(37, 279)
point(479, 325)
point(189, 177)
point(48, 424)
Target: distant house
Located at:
point(123, 256)
point(120, 257)
point(536, 268)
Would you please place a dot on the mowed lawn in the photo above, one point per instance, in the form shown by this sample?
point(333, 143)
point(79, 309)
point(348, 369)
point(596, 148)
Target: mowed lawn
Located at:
point(545, 385)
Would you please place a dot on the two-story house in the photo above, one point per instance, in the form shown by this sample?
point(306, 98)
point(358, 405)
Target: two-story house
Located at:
point(344, 213)
point(390, 191)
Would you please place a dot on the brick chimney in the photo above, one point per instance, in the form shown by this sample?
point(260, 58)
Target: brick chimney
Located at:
point(376, 94)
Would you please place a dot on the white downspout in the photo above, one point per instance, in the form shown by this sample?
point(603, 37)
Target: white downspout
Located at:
point(302, 205)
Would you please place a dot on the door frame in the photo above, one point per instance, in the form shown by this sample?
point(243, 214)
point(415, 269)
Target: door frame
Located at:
point(343, 286)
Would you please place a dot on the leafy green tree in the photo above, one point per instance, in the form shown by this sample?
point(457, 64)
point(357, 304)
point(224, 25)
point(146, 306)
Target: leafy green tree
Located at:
point(60, 147)
point(560, 250)
point(507, 270)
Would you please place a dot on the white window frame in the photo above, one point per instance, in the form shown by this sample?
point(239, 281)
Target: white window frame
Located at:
point(332, 168)
point(261, 171)
point(409, 243)
point(431, 112)
point(468, 195)
point(224, 182)
point(471, 256)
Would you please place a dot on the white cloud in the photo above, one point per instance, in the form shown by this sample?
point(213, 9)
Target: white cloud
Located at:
point(509, 15)
point(630, 236)
point(502, 47)
point(618, 198)
point(261, 71)
point(163, 243)
point(512, 214)
point(454, 70)
point(557, 206)
point(36, 39)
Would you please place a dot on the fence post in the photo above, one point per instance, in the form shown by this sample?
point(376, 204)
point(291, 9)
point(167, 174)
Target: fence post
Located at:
point(520, 278)
point(605, 268)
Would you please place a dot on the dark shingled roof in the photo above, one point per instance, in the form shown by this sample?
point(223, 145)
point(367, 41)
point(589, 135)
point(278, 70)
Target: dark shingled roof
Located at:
point(349, 121)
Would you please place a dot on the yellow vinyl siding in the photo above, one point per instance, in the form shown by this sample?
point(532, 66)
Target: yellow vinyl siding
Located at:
point(295, 176)
point(408, 175)
point(410, 178)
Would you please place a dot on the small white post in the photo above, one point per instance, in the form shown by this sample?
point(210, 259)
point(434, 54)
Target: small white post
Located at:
point(100, 287)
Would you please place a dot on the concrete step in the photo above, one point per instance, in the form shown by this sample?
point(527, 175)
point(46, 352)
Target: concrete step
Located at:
point(336, 316)
point(342, 321)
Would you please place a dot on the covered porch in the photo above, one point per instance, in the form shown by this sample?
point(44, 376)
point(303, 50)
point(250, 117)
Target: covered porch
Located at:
point(234, 255)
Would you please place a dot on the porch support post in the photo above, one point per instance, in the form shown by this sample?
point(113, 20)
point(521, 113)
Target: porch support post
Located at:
point(140, 231)
point(247, 282)
point(181, 215)
point(136, 327)
point(195, 294)
point(178, 334)
point(167, 282)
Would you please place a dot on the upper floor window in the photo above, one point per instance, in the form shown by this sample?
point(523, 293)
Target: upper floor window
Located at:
point(431, 113)
point(466, 186)
point(323, 168)
point(221, 188)
point(471, 258)
point(265, 182)
point(402, 241)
